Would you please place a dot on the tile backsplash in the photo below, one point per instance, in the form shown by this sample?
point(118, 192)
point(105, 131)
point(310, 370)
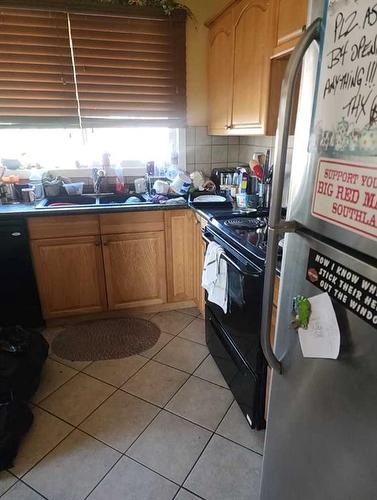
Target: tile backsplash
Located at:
point(205, 152)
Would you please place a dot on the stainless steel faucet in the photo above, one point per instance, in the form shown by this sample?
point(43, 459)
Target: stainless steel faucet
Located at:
point(97, 175)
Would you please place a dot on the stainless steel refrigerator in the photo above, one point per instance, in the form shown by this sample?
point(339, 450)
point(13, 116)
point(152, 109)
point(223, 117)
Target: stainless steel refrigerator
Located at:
point(321, 439)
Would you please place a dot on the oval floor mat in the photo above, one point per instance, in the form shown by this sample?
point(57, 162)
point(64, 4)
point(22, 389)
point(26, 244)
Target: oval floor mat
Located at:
point(105, 339)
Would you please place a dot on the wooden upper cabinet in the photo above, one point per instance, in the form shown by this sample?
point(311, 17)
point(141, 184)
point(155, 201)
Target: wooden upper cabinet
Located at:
point(241, 39)
point(252, 21)
point(220, 71)
point(70, 275)
point(290, 25)
point(135, 269)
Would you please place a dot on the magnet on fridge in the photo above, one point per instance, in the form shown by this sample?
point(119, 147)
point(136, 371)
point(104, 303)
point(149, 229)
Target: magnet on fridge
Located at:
point(302, 309)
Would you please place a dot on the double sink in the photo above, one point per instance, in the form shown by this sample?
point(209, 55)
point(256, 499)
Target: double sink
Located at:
point(92, 200)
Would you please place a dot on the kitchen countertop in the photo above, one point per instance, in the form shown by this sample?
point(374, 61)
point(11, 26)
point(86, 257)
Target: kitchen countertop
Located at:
point(27, 210)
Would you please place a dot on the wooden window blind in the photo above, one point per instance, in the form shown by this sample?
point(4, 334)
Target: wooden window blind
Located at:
point(91, 69)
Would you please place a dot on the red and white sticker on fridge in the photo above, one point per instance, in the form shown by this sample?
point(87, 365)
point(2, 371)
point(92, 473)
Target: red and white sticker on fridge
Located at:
point(345, 194)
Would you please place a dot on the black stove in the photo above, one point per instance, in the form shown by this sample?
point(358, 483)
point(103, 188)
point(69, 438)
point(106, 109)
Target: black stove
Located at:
point(246, 232)
point(245, 223)
point(233, 337)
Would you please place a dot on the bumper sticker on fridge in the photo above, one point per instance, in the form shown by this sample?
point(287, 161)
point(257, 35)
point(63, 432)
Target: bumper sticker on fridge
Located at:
point(345, 122)
point(345, 194)
point(353, 291)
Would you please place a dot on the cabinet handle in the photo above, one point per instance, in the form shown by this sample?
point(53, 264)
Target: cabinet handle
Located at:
point(228, 127)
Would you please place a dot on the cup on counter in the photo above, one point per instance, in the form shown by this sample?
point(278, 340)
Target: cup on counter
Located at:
point(140, 185)
point(161, 187)
point(181, 183)
point(247, 201)
point(28, 195)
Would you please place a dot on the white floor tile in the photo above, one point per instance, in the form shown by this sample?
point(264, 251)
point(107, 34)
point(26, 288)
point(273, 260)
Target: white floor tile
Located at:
point(76, 399)
point(186, 495)
point(172, 322)
point(235, 427)
point(182, 354)
point(129, 480)
point(209, 370)
point(170, 446)
point(45, 433)
point(195, 331)
point(225, 471)
point(156, 383)
point(53, 376)
point(164, 339)
point(73, 468)
point(6, 481)
point(201, 402)
point(21, 492)
point(115, 371)
point(120, 420)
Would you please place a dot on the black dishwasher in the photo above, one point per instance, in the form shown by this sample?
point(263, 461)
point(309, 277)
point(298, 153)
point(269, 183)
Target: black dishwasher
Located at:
point(19, 300)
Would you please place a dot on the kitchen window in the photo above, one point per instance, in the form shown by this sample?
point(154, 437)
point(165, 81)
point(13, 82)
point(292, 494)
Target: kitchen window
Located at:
point(88, 69)
point(65, 149)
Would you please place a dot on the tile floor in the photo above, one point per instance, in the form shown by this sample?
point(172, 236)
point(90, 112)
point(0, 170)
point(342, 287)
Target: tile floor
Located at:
point(162, 425)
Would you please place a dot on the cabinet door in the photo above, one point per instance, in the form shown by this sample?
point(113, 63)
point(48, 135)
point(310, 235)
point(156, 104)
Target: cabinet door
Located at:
point(253, 41)
point(220, 72)
point(290, 26)
point(70, 275)
point(135, 269)
point(179, 255)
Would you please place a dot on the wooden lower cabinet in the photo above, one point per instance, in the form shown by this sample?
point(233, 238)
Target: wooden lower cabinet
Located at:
point(70, 275)
point(179, 255)
point(134, 260)
point(135, 269)
point(199, 253)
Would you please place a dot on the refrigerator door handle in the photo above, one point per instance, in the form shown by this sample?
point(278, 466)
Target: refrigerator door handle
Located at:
point(276, 226)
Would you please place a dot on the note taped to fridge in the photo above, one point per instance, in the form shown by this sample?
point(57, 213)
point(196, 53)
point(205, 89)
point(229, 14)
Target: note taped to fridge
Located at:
point(322, 337)
point(345, 122)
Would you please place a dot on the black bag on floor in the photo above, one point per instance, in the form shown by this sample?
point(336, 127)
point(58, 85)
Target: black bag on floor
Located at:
point(15, 420)
point(22, 355)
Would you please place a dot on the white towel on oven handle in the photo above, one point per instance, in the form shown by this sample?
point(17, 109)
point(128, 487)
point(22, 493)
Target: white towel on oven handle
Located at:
point(215, 276)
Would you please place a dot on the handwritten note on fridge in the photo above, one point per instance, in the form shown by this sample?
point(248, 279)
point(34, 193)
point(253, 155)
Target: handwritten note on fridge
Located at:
point(322, 337)
point(346, 110)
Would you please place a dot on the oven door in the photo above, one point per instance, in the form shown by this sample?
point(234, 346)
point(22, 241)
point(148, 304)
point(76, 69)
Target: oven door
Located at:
point(242, 322)
point(234, 338)
point(247, 387)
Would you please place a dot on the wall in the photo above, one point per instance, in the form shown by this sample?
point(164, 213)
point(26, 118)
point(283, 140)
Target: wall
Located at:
point(196, 43)
point(205, 152)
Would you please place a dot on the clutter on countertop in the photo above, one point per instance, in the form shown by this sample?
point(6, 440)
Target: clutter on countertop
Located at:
point(217, 199)
point(53, 184)
point(174, 201)
point(73, 188)
point(181, 183)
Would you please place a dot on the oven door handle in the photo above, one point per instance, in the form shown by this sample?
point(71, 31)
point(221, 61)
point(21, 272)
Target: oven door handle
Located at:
point(231, 262)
